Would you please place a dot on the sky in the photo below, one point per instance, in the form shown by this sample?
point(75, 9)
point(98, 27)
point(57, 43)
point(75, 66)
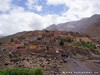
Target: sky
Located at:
point(26, 15)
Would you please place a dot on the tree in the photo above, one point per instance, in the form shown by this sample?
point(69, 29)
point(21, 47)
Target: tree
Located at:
point(61, 42)
point(0, 43)
point(12, 40)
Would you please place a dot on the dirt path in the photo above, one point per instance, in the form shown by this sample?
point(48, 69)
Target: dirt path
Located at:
point(77, 67)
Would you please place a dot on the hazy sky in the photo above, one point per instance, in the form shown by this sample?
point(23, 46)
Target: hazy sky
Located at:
point(24, 15)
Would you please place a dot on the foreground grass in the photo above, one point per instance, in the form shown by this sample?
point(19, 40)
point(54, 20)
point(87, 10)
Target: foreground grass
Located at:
point(21, 71)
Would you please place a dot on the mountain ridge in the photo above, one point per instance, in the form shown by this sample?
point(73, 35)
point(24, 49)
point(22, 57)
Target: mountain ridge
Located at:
point(83, 26)
point(75, 26)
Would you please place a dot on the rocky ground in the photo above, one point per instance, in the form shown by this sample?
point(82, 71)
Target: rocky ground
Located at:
point(45, 50)
point(50, 64)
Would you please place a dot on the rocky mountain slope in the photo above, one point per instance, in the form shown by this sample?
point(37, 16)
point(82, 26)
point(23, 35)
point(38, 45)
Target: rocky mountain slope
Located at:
point(57, 52)
point(78, 26)
point(94, 30)
point(8, 38)
point(68, 26)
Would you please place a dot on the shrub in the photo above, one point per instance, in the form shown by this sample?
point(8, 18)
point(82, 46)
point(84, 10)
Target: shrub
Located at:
point(46, 31)
point(38, 71)
point(21, 71)
point(61, 42)
point(85, 44)
point(39, 38)
point(12, 40)
point(68, 40)
point(0, 43)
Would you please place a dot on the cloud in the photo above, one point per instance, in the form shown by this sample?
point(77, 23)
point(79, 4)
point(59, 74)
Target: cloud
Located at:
point(1, 32)
point(78, 8)
point(30, 3)
point(5, 5)
point(38, 7)
point(33, 4)
point(56, 2)
point(14, 22)
point(18, 19)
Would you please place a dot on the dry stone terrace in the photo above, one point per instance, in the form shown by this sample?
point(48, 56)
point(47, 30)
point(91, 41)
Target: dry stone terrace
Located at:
point(46, 41)
point(43, 48)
